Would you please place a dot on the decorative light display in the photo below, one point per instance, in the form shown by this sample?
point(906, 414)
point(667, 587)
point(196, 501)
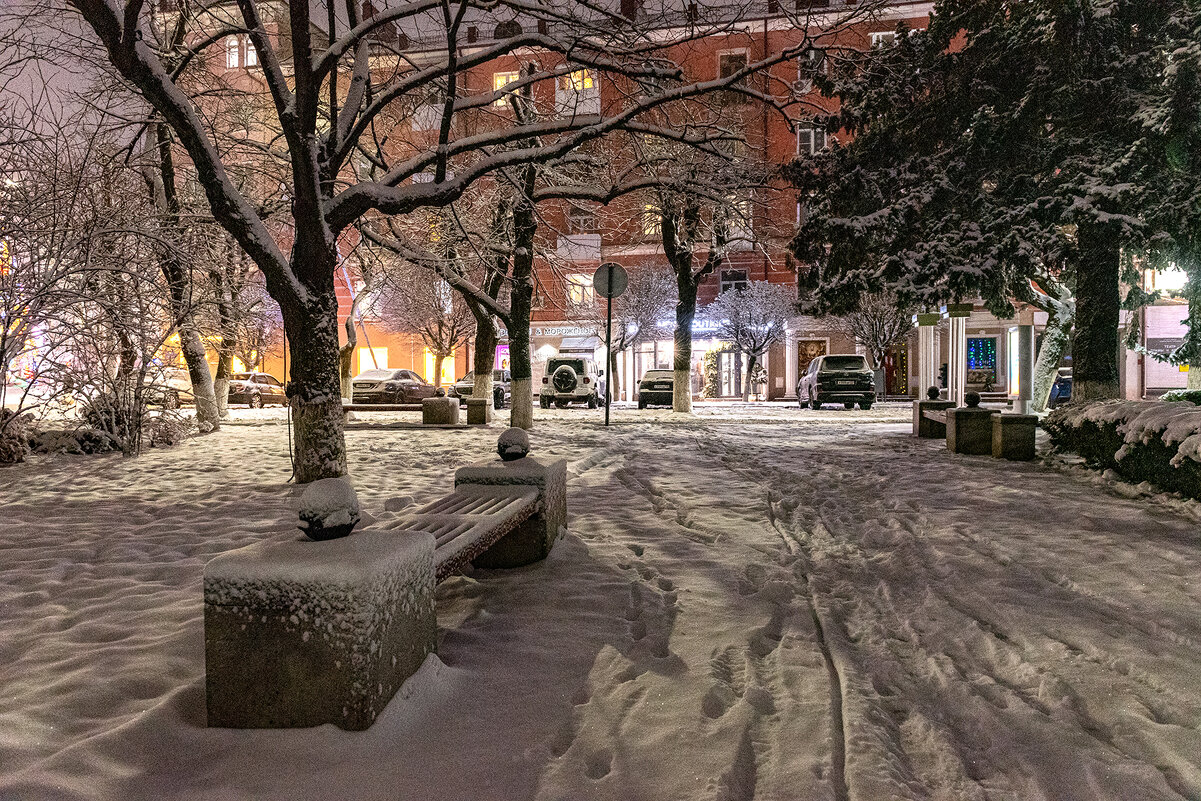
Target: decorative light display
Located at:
point(982, 353)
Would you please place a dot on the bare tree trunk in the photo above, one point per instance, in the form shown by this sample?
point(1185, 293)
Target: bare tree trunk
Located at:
point(681, 396)
point(439, 358)
point(751, 361)
point(613, 380)
point(1098, 309)
point(314, 386)
point(525, 226)
point(1056, 338)
point(485, 351)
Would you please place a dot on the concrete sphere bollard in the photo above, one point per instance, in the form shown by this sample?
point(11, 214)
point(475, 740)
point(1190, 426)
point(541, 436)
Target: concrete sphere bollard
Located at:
point(329, 508)
point(972, 399)
point(513, 444)
point(932, 393)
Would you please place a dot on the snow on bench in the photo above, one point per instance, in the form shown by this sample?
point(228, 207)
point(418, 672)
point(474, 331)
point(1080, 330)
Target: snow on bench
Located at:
point(300, 633)
point(469, 521)
point(974, 430)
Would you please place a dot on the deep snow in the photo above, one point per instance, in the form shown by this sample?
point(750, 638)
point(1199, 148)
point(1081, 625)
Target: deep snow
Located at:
point(759, 603)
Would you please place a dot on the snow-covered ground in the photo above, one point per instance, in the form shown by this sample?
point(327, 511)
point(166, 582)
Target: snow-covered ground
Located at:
point(758, 603)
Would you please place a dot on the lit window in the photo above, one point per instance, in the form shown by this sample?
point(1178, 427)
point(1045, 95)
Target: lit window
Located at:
point(578, 81)
point(240, 52)
point(810, 140)
point(883, 38)
point(579, 289)
point(499, 81)
point(650, 220)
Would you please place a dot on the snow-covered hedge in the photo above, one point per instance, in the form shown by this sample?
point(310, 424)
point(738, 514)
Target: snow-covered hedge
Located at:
point(1190, 395)
point(1153, 441)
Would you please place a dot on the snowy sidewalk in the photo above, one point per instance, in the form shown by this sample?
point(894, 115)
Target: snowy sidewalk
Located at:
point(786, 606)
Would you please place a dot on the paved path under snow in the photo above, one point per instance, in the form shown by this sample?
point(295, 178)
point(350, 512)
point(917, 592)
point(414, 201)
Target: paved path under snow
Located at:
point(806, 606)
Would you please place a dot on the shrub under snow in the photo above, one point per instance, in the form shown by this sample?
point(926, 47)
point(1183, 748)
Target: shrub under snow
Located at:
point(1153, 441)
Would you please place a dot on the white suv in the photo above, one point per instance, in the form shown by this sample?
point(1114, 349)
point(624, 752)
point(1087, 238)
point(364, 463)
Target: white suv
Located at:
point(572, 379)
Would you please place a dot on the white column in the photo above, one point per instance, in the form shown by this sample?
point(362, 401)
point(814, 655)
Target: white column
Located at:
point(927, 359)
point(790, 363)
point(1025, 369)
point(957, 361)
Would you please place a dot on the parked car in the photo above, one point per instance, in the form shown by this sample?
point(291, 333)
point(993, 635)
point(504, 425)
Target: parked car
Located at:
point(256, 390)
point(170, 388)
point(502, 387)
point(838, 378)
point(390, 386)
point(656, 387)
point(571, 379)
point(1061, 390)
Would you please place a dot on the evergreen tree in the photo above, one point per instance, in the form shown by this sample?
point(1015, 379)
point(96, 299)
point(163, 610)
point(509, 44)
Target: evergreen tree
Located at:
point(1005, 144)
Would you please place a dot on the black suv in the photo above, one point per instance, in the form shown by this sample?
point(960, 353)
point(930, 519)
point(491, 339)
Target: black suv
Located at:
point(840, 378)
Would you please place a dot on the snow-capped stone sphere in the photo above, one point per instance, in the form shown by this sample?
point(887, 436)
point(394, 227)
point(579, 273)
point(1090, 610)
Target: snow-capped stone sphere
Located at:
point(329, 508)
point(513, 444)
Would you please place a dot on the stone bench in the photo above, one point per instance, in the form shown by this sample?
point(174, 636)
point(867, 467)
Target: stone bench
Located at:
point(443, 411)
point(974, 430)
point(300, 633)
point(930, 418)
point(479, 411)
point(1013, 436)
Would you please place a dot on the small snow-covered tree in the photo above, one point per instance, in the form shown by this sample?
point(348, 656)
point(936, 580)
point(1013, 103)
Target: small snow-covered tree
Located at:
point(752, 319)
point(880, 321)
point(411, 301)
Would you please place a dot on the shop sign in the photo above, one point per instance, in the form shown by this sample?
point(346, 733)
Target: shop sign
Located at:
point(564, 331)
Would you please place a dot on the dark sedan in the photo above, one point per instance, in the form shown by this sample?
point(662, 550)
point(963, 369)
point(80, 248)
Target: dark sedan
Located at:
point(656, 387)
point(390, 386)
point(256, 390)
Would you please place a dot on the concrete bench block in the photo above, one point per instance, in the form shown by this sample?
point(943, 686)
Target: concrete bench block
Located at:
point(479, 411)
point(925, 427)
point(1013, 436)
point(440, 411)
point(969, 430)
point(300, 633)
point(531, 540)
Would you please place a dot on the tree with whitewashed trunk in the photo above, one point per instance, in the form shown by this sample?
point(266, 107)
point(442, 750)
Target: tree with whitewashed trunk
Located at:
point(752, 319)
point(344, 92)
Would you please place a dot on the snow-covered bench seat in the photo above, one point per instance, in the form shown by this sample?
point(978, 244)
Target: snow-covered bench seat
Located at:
point(472, 519)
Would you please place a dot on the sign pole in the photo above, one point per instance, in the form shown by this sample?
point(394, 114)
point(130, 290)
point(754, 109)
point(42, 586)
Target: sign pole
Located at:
point(608, 344)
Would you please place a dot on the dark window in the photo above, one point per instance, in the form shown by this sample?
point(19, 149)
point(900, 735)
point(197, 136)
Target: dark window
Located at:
point(733, 279)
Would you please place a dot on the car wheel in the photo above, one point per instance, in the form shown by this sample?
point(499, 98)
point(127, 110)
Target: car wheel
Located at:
point(814, 403)
point(544, 403)
point(592, 402)
point(256, 401)
point(498, 399)
point(171, 401)
point(850, 405)
point(865, 405)
point(641, 403)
